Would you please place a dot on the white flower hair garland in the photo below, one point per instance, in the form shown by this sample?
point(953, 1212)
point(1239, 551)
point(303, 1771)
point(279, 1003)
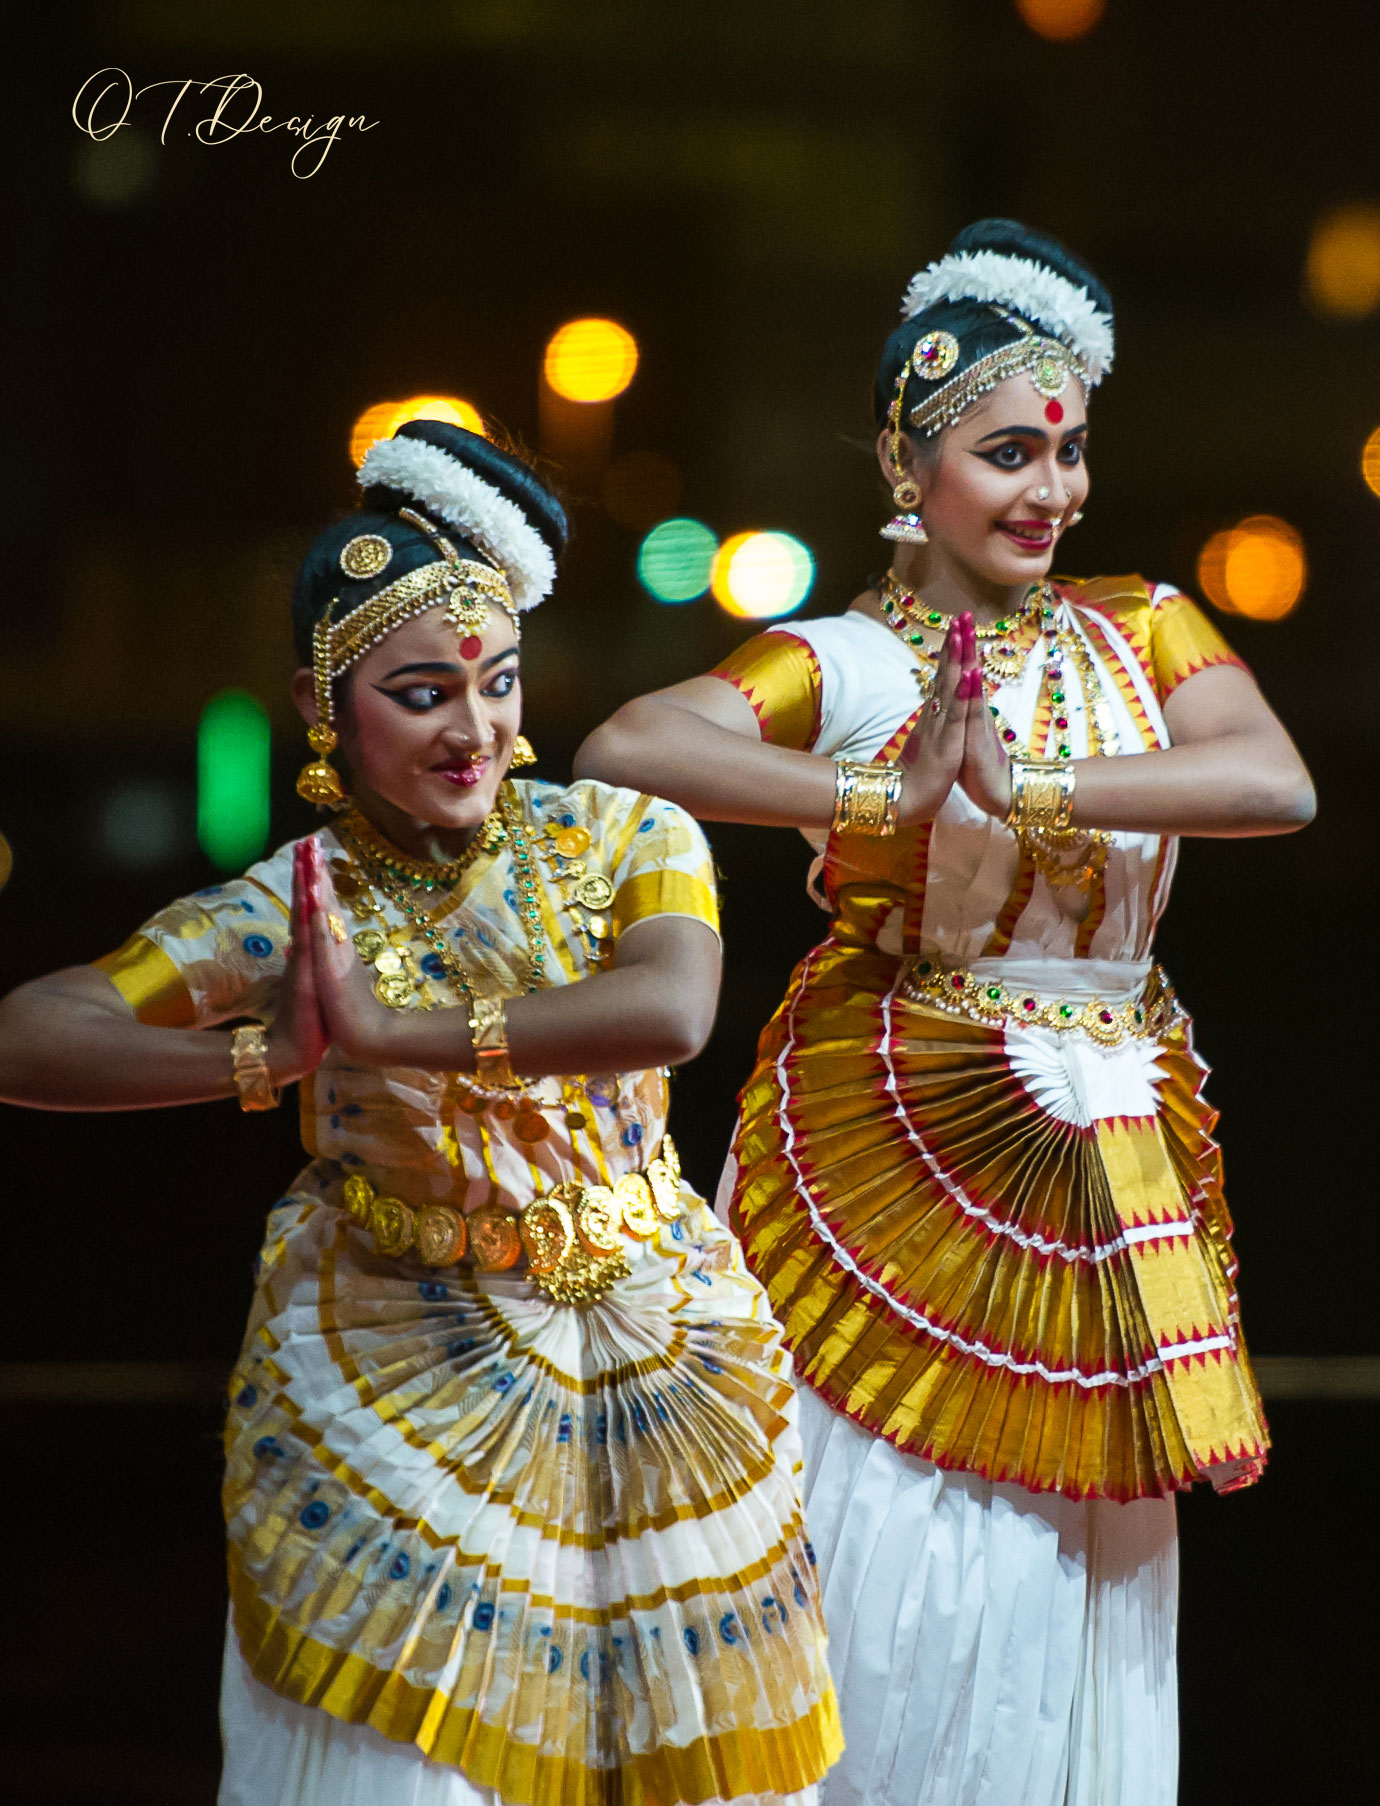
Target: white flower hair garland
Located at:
point(1033, 290)
point(447, 490)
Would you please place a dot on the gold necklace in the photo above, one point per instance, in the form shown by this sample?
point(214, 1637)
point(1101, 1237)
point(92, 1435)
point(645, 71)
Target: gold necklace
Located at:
point(398, 976)
point(379, 853)
point(380, 861)
point(1078, 862)
point(896, 599)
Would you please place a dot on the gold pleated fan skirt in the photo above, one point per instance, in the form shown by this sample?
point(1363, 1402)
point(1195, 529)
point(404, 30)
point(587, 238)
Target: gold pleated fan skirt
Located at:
point(559, 1548)
point(1005, 1250)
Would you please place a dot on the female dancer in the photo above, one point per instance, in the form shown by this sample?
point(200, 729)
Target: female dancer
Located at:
point(512, 1475)
point(973, 1167)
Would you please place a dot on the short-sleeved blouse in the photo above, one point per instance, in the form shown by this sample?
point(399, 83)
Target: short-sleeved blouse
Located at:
point(219, 955)
point(846, 686)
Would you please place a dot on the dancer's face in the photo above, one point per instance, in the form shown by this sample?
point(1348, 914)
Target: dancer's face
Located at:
point(425, 728)
point(981, 481)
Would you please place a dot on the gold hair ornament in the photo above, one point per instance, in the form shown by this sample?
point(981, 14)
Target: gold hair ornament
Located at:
point(365, 556)
point(468, 609)
point(1047, 362)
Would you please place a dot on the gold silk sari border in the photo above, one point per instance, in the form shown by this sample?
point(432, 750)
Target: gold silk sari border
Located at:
point(778, 675)
point(663, 893)
point(758, 1759)
point(149, 982)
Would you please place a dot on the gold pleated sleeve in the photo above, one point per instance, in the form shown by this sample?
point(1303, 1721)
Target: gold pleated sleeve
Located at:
point(779, 675)
point(664, 893)
point(1183, 642)
point(149, 982)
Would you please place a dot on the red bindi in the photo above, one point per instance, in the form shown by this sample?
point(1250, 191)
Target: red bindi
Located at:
point(1054, 412)
point(470, 646)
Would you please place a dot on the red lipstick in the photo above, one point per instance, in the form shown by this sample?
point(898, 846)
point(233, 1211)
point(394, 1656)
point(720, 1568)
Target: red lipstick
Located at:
point(464, 773)
point(1029, 535)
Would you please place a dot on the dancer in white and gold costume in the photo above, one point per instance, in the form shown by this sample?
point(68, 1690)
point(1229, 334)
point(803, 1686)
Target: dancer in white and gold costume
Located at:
point(512, 1474)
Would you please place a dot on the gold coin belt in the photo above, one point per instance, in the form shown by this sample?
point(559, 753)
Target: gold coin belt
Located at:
point(572, 1235)
point(958, 992)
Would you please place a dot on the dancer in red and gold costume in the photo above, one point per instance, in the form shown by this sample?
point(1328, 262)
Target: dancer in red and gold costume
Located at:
point(974, 1166)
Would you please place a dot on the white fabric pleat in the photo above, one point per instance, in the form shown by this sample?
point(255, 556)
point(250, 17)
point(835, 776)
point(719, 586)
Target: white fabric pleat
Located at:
point(278, 1753)
point(990, 1646)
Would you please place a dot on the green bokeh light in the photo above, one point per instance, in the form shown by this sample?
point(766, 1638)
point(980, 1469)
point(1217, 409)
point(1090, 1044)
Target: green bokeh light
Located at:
point(676, 559)
point(232, 779)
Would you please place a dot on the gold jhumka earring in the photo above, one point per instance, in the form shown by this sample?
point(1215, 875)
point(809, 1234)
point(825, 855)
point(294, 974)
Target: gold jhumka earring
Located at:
point(319, 782)
point(524, 753)
point(933, 357)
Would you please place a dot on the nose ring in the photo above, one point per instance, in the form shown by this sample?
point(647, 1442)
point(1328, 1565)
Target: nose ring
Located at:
point(1042, 495)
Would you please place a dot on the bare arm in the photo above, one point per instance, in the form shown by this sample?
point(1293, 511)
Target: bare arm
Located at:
point(1231, 772)
point(655, 1007)
point(70, 1042)
point(698, 743)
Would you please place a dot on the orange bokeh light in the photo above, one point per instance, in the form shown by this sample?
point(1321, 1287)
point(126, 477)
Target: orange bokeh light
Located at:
point(1257, 568)
point(1341, 277)
point(1370, 461)
point(590, 360)
point(385, 417)
point(1061, 20)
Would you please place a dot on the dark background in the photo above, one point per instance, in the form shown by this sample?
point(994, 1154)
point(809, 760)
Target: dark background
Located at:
point(747, 187)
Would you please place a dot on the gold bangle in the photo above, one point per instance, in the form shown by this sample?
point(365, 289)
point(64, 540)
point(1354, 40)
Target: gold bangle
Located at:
point(249, 1059)
point(844, 783)
point(1041, 797)
point(867, 798)
point(489, 1038)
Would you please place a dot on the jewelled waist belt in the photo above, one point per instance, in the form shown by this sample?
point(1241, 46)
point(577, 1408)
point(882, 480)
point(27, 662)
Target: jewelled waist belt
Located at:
point(959, 992)
point(572, 1235)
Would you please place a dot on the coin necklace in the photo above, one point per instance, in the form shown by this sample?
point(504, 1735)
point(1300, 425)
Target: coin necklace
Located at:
point(398, 977)
point(563, 848)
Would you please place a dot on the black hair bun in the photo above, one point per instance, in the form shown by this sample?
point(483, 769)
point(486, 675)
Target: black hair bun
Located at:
point(509, 474)
point(1008, 238)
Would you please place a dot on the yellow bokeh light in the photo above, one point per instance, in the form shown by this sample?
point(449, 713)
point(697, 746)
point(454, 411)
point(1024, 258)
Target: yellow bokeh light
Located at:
point(1370, 461)
point(591, 360)
point(761, 576)
point(1257, 568)
point(1342, 274)
point(383, 419)
point(1061, 19)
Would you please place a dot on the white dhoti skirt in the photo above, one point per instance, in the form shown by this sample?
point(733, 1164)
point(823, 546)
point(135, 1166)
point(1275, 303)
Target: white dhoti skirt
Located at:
point(990, 1646)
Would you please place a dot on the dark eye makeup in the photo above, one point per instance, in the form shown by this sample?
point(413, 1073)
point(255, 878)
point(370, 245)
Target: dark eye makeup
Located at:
point(417, 699)
point(1015, 454)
